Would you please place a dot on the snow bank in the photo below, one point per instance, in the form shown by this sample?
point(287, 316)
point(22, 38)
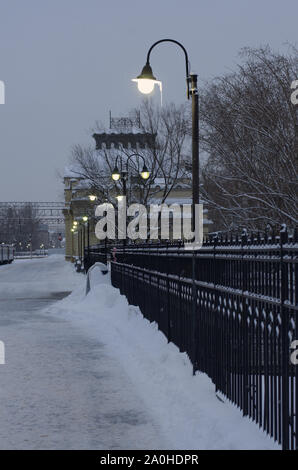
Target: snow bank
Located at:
point(184, 406)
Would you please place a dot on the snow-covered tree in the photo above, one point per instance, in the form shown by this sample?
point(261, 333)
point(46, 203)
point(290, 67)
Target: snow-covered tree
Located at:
point(20, 225)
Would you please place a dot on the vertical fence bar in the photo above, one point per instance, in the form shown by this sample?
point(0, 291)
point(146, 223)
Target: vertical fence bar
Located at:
point(245, 366)
point(194, 314)
point(285, 346)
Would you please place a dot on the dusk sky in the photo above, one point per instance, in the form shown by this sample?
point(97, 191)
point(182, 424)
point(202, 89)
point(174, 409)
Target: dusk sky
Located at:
point(66, 63)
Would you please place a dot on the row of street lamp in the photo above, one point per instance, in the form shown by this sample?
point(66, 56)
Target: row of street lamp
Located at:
point(146, 82)
point(122, 175)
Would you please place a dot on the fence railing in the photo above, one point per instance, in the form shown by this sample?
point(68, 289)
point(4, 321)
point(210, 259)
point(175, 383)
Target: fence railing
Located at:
point(232, 307)
point(95, 254)
point(31, 254)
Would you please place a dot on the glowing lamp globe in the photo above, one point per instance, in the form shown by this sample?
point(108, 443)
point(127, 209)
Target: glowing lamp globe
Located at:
point(146, 80)
point(116, 174)
point(145, 85)
point(145, 173)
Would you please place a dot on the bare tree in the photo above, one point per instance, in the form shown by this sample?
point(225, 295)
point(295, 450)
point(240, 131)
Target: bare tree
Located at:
point(165, 157)
point(248, 130)
point(20, 225)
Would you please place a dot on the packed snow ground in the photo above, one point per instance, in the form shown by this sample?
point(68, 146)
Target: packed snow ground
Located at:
point(90, 372)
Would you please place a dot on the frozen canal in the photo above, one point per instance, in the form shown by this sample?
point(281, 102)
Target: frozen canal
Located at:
point(59, 388)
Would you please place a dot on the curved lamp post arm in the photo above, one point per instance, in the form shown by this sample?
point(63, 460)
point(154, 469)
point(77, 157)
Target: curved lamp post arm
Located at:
point(124, 174)
point(186, 58)
point(134, 155)
point(119, 157)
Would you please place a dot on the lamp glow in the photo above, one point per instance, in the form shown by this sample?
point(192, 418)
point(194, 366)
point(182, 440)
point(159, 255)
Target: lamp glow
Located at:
point(85, 218)
point(145, 173)
point(145, 80)
point(116, 175)
point(145, 85)
point(92, 197)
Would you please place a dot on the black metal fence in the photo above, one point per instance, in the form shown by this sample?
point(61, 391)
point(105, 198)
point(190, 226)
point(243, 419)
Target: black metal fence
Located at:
point(232, 306)
point(94, 254)
point(31, 254)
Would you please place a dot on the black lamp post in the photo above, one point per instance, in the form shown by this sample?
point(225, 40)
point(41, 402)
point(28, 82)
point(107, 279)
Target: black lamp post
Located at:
point(79, 244)
point(146, 82)
point(79, 229)
point(84, 220)
point(88, 236)
point(93, 200)
point(123, 174)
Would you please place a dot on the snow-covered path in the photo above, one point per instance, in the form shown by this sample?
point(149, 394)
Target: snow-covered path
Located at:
point(60, 388)
point(89, 372)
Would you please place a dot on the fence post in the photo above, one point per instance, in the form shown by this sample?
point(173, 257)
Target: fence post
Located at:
point(285, 342)
point(194, 315)
point(169, 325)
point(106, 251)
point(123, 269)
point(219, 338)
point(245, 369)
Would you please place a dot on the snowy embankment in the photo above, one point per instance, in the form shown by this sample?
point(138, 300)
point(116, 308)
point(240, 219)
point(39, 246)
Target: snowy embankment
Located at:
point(184, 406)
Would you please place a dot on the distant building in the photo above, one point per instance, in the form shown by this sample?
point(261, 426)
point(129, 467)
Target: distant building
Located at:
point(42, 236)
point(124, 134)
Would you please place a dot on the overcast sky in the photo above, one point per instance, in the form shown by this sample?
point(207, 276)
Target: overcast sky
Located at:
point(66, 63)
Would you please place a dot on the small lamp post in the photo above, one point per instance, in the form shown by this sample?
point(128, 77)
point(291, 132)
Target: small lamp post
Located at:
point(93, 199)
point(123, 174)
point(85, 219)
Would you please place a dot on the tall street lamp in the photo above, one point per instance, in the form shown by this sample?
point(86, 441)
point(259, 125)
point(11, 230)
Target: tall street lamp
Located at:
point(146, 82)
